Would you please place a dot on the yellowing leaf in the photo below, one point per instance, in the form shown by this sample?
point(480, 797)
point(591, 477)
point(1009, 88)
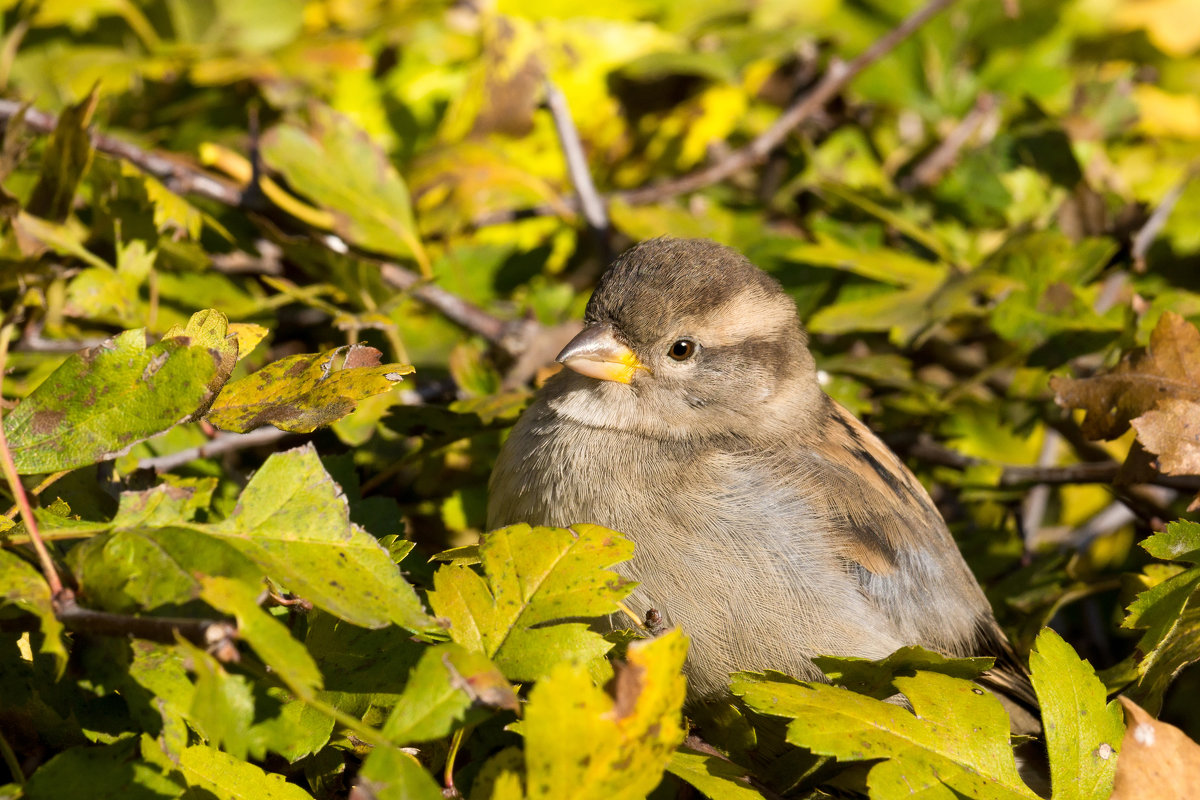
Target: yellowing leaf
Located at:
point(955, 741)
point(101, 402)
point(1170, 24)
point(534, 577)
point(581, 743)
point(293, 521)
point(304, 392)
point(1163, 114)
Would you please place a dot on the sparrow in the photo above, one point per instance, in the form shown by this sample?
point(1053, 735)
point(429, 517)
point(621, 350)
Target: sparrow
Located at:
point(769, 522)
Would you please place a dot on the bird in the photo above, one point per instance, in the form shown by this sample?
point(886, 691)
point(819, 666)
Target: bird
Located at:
point(769, 522)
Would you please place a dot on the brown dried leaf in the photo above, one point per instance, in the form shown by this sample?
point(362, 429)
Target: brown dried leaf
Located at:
point(1158, 761)
point(1169, 369)
point(1172, 431)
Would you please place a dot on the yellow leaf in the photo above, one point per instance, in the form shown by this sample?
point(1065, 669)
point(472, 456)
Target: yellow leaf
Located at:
point(1166, 114)
point(1170, 24)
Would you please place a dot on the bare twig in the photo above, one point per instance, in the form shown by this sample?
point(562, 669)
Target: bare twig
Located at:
point(942, 157)
point(18, 489)
point(924, 448)
point(836, 78)
point(32, 341)
point(214, 635)
point(1033, 510)
point(450, 305)
point(594, 210)
point(178, 176)
point(222, 443)
point(1154, 225)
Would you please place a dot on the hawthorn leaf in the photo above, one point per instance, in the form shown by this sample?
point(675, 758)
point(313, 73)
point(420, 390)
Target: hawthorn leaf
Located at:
point(877, 678)
point(293, 521)
point(1165, 610)
point(1083, 733)
point(533, 577)
point(392, 774)
point(888, 266)
point(67, 158)
point(336, 165)
point(99, 772)
point(304, 392)
point(158, 671)
point(583, 743)
point(954, 742)
point(228, 778)
point(139, 567)
point(269, 637)
point(714, 777)
point(1168, 369)
point(101, 402)
point(440, 689)
point(24, 587)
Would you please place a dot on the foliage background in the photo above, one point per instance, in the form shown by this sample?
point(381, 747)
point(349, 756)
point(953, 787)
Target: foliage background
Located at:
point(1002, 198)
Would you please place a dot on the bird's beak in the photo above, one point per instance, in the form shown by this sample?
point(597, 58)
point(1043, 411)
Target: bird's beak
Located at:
point(595, 352)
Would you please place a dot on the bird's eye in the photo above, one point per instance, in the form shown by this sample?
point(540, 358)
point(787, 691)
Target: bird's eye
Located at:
point(682, 350)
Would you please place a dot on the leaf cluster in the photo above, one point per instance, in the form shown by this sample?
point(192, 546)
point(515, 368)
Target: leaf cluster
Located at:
point(276, 277)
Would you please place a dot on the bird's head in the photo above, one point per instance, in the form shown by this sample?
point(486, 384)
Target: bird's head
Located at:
point(687, 338)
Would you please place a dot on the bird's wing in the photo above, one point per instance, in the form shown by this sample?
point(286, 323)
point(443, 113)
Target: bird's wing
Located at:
point(892, 529)
point(884, 510)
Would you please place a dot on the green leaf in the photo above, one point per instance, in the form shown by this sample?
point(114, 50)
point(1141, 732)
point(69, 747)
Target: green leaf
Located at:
point(391, 774)
point(440, 689)
point(23, 586)
point(66, 160)
point(534, 576)
point(293, 521)
point(105, 772)
point(715, 777)
point(269, 637)
point(142, 568)
point(101, 402)
point(887, 266)
point(877, 678)
point(337, 166)
point(954, 742)
point(1167, 612)
point(1083, 734)
point(582, 743)
point(229, 778)
point(304, 392)
point(158, 671)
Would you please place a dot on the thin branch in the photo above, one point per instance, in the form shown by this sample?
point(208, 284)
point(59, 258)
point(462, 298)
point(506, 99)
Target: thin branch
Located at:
point(178, 176)
point(837, 77)
point(1154, 225)
point(451, 306)
point(1037, 499)
point(594, 210)
point(214, 635)
point(942, 157)
point(18, 489)
point(924, 448)
point(220, 444)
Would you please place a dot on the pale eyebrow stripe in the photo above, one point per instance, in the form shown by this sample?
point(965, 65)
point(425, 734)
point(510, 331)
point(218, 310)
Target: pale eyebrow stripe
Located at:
point(750, 313)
